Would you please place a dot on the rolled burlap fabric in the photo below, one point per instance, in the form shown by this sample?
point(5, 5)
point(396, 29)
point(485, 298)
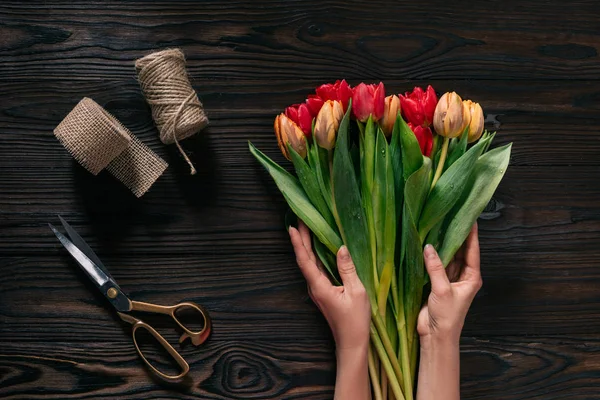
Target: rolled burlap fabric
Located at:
point(97, 140)
point(92, 136)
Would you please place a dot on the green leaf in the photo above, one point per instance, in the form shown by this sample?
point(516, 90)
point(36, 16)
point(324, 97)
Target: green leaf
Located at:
point(309, 182)
point(412, 158)
point(379, 197)
point(396, 160)
point(435, 150)
point(385, 217)
point(367, 140)
point(318, 159)
point(349, 208)
point(415, 193)
point(448, 189)
point(414, 270)
point(458, 150)
point(328, 259)
point(298, 201)
point(416, 188)
point(487, 174)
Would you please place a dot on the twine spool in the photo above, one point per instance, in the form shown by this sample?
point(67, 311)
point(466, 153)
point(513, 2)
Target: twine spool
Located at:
point(176, 109)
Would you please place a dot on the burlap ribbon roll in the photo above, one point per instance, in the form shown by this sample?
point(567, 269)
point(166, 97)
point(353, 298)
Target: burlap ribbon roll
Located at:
point(176, 109)
point(97, 140)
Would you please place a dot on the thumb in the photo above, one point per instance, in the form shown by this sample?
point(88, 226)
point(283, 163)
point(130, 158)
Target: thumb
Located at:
point(440, 284)
point(346, 268)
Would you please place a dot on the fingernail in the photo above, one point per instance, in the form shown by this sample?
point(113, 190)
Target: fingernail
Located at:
point(344, 254)
point(429, 251)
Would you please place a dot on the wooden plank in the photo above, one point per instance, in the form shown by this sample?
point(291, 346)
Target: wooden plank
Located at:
point(536, 209)
point(224, 370)
point(253, 296)
point(549, 123)
point(511, 368)
point(429, 40)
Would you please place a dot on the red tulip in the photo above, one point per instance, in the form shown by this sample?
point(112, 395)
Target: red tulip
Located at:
point(302, 116)
point(368, 100)
point(418, 107)
point(314, 104)
point(424, 137)
point(340, 91)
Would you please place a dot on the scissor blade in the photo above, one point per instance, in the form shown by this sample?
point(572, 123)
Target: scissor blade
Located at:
point(84, 247)
point(91, 269)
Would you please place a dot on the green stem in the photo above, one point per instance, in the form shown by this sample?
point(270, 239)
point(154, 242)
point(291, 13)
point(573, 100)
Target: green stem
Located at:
point(405, 356)
point(387, 366)
point(390, 354)
point(384, 288)
point(440, 167)
point(413, 358)
point(384, 384)
point(395, 300)
point(374, 375)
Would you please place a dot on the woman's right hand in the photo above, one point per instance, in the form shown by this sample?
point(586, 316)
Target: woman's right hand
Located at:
point(452, 291)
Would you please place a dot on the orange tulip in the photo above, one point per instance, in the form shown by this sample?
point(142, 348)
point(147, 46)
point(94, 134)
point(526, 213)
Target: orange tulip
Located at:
point(476, 123)
point(327, 123)
point(390, 112)
point(451, 117)
point(287, 131)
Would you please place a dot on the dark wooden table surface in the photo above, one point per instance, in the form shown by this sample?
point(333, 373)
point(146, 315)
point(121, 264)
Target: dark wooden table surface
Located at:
point(217, 238)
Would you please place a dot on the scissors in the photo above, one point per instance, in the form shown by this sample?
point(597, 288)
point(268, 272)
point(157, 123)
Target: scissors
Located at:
point(97, 272)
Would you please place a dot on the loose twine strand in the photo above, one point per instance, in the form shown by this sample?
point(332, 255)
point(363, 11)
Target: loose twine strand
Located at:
point(176, 109)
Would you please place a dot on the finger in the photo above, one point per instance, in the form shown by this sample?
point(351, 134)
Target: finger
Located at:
point(306, 240)
point(309, 269)
point(347, 269)
point(440, 285)
point(472, 271)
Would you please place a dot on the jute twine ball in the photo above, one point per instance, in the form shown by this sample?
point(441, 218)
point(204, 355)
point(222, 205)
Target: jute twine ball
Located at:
point(176, 109)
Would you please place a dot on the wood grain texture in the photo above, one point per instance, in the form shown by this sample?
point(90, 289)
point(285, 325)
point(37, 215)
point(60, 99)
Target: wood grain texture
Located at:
point(244, 110)
point(507, 367)
point(319, 39)
point(218, 238)
point(241, 211)
point(265, 297)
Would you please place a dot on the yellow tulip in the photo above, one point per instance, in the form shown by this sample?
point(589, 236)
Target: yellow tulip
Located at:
point(450, 117)
point(287, 131)
point(476, 122)
point(327, 123)
point(390, 112)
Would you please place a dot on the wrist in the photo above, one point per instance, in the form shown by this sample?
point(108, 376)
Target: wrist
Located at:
point(439, 341)
point(352, 353)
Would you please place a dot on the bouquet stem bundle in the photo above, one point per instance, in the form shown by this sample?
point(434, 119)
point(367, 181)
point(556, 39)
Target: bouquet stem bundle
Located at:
point(384, 187)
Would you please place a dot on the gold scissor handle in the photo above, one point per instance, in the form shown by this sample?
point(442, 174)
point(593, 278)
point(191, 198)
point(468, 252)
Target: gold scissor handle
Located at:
point(197, 337)
point(136, 325)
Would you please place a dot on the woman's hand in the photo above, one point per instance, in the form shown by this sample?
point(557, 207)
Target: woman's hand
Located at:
point(346, 308)
point(452, 290)
point(442, 318)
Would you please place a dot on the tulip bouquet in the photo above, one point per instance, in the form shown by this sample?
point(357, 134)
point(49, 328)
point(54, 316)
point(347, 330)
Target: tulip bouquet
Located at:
point(371, 174)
